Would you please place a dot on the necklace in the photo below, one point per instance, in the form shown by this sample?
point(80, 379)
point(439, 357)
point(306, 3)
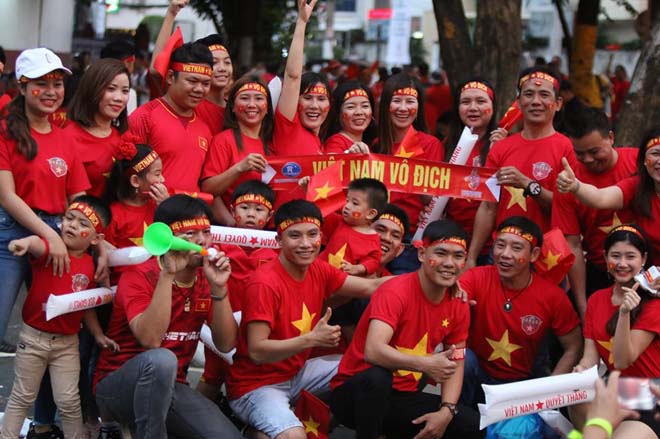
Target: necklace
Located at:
point(185, 286)
point(508, 305)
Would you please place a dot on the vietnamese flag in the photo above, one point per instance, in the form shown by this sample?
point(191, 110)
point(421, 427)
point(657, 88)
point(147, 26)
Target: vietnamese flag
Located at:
point(410, 147)
point(314, 414)
point(325, 189)
point(208, 198)
point(556, 257)
point(162, 61)
point(512, 116)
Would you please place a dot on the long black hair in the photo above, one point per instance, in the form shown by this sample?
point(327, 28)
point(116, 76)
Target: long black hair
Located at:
point(456, 125)
point(646, 188)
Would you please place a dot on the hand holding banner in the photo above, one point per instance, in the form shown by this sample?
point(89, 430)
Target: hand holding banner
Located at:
point(244, 237)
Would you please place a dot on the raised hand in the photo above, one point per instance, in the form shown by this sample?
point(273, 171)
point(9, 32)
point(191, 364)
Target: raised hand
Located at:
point(176, 5)
point(566, 180)
point(305, 9)
point(630, 299)
point(324, 334)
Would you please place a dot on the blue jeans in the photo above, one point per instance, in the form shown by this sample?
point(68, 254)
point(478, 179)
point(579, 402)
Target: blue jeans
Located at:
point(143, 394)
point(14, 270)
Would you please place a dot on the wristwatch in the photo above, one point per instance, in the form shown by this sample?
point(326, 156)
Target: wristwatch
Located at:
point(533, 189)
point(452, 408)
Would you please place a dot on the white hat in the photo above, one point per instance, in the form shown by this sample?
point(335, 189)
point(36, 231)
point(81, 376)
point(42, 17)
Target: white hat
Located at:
point(35, 63)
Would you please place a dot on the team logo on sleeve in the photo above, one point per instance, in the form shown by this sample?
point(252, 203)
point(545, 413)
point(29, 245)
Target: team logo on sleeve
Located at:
point(541, 170)
point(530, 324)
point(79, 282)
point(203, 143)
point(58, 166)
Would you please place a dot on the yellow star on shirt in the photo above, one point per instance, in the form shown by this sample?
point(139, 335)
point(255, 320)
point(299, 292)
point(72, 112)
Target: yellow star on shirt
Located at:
point(517, 197)
point(607, 345)
point(304, 325)
point(138, 241)
point(403, 153)
point(445, 323)
point(551, 260)
point(615, 222)
point(419, 350)
point(311, 426)
point(323, 191)
point(335, 259)
point(502, 348)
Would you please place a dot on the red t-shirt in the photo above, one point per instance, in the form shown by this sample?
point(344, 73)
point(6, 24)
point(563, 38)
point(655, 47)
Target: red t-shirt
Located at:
point(337, 144)
point(291, 308)
point(438, 101)
point(419, 327)
point(464, 211)
point(244, 262)
point(95, 153)
point(224, 153)
point(4, 100)
point(129, 223)
point(181, 142)
point(629, 187)
point(434, 151)
point(506, 343)
point(290, 138)
point(354, 247)
point(45, 181)
point(44, 283)
point(574, 218)
point(537, 159)
point(134, 293)
point(599, 312)
point(212, 114)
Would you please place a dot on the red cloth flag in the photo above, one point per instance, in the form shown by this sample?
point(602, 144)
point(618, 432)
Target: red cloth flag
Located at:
point(208, 198)
point(556, 257)
point(162, 61)
point(410, 147)
point(512, 116)
point(314, 414)
point(325, 189)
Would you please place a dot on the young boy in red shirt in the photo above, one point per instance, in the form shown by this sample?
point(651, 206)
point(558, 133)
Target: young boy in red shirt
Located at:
point(353, 246)
point(252, 208)
point(53, 344)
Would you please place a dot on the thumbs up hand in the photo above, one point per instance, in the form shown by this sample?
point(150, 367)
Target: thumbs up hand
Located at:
point(325, 335)
point(566, 180)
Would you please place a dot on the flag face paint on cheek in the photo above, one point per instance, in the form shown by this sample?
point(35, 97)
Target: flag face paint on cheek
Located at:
point(521, 260)
point(261, 223)
point(433, 262)
point(36, 92)
point(611, 266)
point(84, 234)
point(488, 111)
point(356, 215)
point(317, 243)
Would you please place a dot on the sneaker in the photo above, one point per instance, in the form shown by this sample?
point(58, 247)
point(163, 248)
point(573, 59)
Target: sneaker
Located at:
point(110, 431)
point(7, 349)
point(53, 433)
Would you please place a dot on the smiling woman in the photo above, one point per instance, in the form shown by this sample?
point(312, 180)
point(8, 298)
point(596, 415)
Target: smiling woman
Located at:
point(98, 115)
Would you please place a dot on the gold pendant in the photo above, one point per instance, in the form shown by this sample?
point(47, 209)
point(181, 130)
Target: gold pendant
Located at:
point(186, 306)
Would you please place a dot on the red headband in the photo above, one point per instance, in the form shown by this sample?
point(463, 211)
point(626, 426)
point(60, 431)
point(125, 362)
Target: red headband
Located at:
point(519, 232)
point(477, 85)
point(540, 75)
point(395, 220)
point(627, 228)
point(318, 89)
point(201, 69)
point(129, 58)
point(653, 142)
point(281, 227)
point(252, 86)
point(89, 212)
point(145, 162)
point(220, 47)
point(354, 93)
point(253, 198)
point(52, 75)
point(425, 243)
point(406, 91)
point(187, 225)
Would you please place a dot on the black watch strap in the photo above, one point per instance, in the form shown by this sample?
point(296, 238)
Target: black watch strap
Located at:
point(451, 406)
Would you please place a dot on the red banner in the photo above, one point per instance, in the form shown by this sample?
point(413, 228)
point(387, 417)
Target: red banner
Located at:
point(399, 174)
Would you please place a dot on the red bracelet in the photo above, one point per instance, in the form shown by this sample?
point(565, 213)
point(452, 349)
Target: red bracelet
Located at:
point(47, 246)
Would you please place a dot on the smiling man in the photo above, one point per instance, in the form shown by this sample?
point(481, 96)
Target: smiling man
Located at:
point(413, 329)
point(585, 228)
point(528, 162)
point(514, 309)
point(283, 319)
point(170, 124)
